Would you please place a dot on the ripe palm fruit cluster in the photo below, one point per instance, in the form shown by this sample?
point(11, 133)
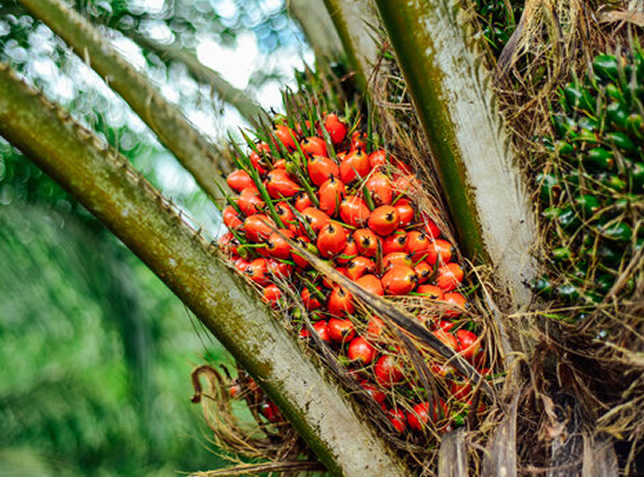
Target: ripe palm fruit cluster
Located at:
point(594, 194)
point(317, 184)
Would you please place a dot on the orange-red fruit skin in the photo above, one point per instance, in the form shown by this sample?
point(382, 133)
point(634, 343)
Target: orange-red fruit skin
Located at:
point(313, 146)
point(366, 242)
point(355, 165)
point(387, 371)
point(336, 128)
point(384, 220)
point(361, 351)
point(331, 240)
point(458, 303)
point(449, 276)
point(396, 242)
point(405, 211)
point(321, 169)
point(354, 211)
point(279, 184)
point(249, 201)
point(399, 280)
point(330, 196)
point(341, 330)
point(258, 227)
point(340, 302)
point(359, 266)
point(371, 283)
point(239, 179)
point(379, 186)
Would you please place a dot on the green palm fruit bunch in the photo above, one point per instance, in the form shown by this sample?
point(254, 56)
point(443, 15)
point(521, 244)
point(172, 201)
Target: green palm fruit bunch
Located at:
point(592, 191)
point(498, 21)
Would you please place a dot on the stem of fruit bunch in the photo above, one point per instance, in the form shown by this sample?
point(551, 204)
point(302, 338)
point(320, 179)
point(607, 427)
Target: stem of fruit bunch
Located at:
point(449, 88)
point(165, 119)
point(107, 185)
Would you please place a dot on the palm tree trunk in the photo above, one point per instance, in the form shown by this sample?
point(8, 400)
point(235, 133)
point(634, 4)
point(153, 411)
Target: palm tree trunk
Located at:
point(168, 123)
point(318, 28)
point(107, 185)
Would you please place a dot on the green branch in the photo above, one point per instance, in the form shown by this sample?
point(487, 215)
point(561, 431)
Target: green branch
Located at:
point(249, 109)
point(168, 123)
point(105, 183)
point(354, 21)
point(474, 160)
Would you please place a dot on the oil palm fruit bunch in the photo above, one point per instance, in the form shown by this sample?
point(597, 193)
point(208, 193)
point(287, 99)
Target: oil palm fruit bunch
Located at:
point(498, 22)
point(314, 182)
point(593, 191)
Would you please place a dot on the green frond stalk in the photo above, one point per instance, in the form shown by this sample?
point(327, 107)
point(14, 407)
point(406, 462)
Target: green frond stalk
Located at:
point(318, 28)
point(247, 107)
point(355, 21)
point(449, 88)
point(107, 185)
point(167, 122)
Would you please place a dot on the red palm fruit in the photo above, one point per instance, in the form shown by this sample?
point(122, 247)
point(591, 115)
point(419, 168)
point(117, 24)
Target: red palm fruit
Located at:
point(341, 330)
point(321, 169)
point(396, 242)
point(313, 146)
point(280, 268)
point(279, 164)
point(279, 184)
point(388, 371)
point(330, 196)
point(402, 166)
point(431, 229)
point(277, 245)
point(449, 276)
point(371, 283)
point(398, 420)
point(447, 338)
point(239, 179)
point(286, 215)
point(396, 258)
point(440, 251)
point(340, 302)
point(331, 240)
point(366, 242)
point(358, 140)
point(285, 135)
point(399, 280)
point(468, 344)
point(458, 303)
point(241, 264)
point(360, 351)
point(270, 411)
point(302, 202)
point(460, 390)
point(258, 227)
point(358, 266)
point(226, 241)
point(405, 184)
point(445, 325)
point(257, 160)
point(378, 158)
point(231, 218)
point(271, 294)
point(354, 211)
point(322, 329)
point(257, 271)
point(405, 212)
point(349, 253)
point(383, 220)
point(315, 218)
point(249, 201)
point(374, 328)
point(431, 291)
point(379, 186)
point(337, 129)
point(417, 244)
point(310, 299)
point(354, 165)
point(373, 391)
point(423, 270)
point(419, 417)
point(305, 243)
